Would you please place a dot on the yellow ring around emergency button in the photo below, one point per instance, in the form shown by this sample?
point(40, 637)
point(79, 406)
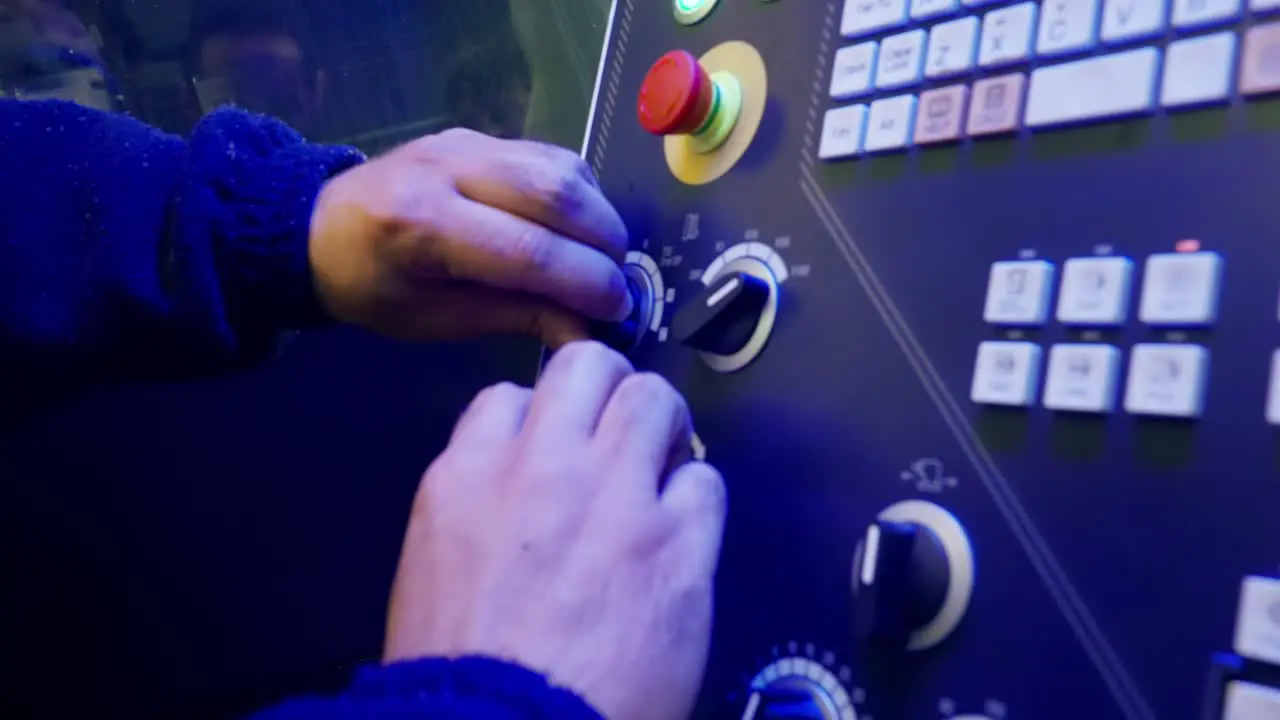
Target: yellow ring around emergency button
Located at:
point(691, 12)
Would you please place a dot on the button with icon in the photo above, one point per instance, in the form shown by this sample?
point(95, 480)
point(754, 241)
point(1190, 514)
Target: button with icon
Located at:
point(1018, 293)
point(1082, 377)
point(1095, 291)
point(1167, 380)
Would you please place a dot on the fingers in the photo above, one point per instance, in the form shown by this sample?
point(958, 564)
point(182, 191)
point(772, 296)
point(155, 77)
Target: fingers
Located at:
point(573, 391)
point(695, 495)
point(494, 417)
point(550, 186)
point(543, 183)
point(490, 247)
point(645, 426)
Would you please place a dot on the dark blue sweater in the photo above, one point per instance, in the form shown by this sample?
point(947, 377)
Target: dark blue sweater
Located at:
point(129, 255)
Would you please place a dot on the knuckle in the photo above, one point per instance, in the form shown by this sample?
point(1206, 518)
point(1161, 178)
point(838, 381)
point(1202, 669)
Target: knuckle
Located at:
point(594, 353)
point(557, 185)
point(650, 393)
point(534, 250)
point(454, 134)
point(501, 396)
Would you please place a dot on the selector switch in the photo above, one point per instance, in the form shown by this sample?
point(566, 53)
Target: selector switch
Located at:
point(724, 316)
point(679, 97)
point(901, 576)
point(624, 336)
point(794, 698)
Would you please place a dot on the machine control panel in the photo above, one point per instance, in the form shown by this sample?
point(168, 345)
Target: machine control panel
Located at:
point(975, 308)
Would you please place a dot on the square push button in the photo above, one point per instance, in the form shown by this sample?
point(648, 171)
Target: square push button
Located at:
point(1082, 378)
point(1258, 620)
point(1259, 65)
point(1095, 291)
point(1018, 292)
point(940, 117)
point(995, 106)
point(1167, 380)
point(854, 71)
point(1246, 701)
point(1006, 373)
point(1273, 392)
point(889, 123)
point(1199, 70)
point(842, 131)
point(1181, 289)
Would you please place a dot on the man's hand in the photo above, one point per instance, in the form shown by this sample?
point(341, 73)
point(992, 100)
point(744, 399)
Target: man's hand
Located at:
point(566, 529)
point(460, 234)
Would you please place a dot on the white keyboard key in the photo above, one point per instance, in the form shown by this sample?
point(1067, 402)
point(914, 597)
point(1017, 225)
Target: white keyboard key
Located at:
point(921, 9)
point(1257, 634)
point(1167, 380)
point(1082, 377)
point(953, 47)
point(854, 71)
point(1198, 13)
point(1124, 20)
point(1181, 289)
point(1263, 5)
point(901, 60)
point(1007, 34)
point(1246, 701)
point(1273, 391)
point(1018, 292)
point(1067, 26)
point(1006, 373)
point(1095, 88)
point(842, 130)
point(1095, 291)
point(889, 123)
point(863, 17)
point(1199, 70)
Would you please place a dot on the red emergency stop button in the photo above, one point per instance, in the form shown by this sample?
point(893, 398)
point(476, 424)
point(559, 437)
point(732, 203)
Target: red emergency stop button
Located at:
point(677, 95)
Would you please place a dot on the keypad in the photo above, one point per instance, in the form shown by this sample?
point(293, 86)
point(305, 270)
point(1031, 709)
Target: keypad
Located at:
point(1163, 379)
point(978, 68)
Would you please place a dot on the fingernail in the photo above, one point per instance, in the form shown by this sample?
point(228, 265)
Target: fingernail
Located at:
point(629, 304)
point(630, 290)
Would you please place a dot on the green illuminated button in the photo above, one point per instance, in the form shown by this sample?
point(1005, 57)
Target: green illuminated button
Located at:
point(689, 12)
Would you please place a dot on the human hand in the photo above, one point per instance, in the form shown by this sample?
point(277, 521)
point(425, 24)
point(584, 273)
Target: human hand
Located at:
point(566, 529)
point(460, 234)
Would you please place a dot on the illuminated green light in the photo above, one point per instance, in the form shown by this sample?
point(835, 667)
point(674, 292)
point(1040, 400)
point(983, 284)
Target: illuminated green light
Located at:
point(689, 12)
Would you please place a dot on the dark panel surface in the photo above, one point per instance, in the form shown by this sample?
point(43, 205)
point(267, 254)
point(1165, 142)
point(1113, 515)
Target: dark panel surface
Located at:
point(1109, 548)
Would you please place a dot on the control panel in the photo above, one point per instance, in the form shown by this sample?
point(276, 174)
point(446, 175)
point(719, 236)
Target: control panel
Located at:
point(975, 306)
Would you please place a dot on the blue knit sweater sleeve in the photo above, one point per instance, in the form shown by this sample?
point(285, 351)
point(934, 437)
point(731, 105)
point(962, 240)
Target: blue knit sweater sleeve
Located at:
point(472, 688)
point(130, 254)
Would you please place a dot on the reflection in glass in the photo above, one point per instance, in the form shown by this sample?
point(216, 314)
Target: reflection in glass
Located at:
point(47, 52)
point(254, 54)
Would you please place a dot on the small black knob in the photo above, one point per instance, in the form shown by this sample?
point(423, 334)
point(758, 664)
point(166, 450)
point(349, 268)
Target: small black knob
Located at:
point(624, 336)
point(795, 698)
point(900, 582)
point(722, 317)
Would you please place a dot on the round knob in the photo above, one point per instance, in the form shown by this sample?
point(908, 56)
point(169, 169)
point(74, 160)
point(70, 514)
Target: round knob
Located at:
point(723, 317)
point(792, 698)
point(901, 577)
point(677, 96)
point(624, 336)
